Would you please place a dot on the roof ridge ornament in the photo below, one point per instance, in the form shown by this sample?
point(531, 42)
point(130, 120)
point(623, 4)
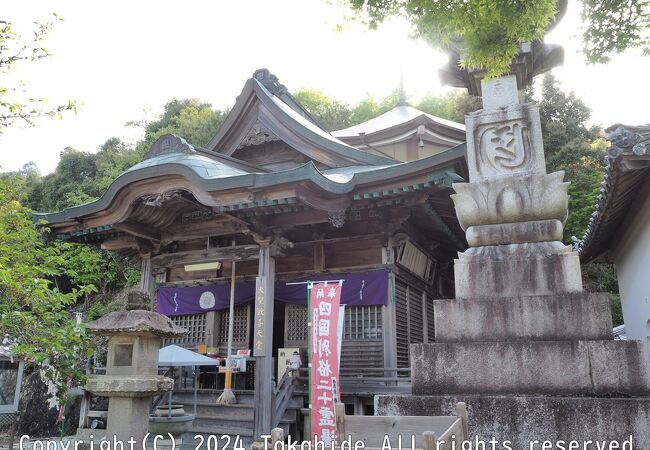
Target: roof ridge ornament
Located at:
point(169, 143)
point(270, 82)
point(626, 138)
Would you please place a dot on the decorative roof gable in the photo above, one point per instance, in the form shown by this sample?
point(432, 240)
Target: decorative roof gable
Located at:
point(265, 112)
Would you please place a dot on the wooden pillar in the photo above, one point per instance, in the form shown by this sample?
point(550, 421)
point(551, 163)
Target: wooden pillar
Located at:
point(211, 329)
point(388, 316)
point(147, 282)
point(264, 356)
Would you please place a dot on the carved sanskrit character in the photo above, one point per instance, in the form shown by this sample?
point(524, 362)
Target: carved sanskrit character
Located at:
point(504, 145)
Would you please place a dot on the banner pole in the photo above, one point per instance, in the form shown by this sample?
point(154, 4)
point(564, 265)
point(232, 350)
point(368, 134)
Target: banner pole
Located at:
point(309, 345)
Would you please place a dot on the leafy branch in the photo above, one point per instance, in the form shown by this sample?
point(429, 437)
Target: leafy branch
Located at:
point(14, 50)
point(487, 33)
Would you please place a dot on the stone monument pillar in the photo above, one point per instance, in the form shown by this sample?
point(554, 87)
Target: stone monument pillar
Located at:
point(530, 353)
point(512, 211)
point(134, 338)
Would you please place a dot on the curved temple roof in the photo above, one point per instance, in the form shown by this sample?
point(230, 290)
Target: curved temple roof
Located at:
point(171, 155)
point(397, 116)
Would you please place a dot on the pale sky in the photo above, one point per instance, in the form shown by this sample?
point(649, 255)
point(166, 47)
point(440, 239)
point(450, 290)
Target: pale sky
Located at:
point(118, 59)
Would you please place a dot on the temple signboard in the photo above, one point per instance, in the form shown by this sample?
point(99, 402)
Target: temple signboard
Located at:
point(258, 332)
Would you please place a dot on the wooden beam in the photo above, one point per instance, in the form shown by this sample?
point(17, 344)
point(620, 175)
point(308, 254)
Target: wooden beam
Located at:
point(295, 219)
point(119, 243)
point(236, 253)
point(139, 230)
point(201, 230)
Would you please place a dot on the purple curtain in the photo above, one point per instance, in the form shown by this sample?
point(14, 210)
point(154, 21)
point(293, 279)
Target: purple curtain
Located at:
point(367, 288)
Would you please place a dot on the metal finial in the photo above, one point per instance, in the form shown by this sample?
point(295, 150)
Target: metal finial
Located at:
point(402, 93)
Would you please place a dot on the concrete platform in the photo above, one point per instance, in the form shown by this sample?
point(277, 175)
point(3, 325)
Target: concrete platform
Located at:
point(529, 368)
point(525, 419)
point(577, 316)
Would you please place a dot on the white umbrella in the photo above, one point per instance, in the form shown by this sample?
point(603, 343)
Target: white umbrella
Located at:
point(175, 356)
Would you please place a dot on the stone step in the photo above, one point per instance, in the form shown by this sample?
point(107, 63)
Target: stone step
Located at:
point(530, 368)
point(523, 420)
point(234, 422)
point(211, 408)
point(186, 396)
point(578, 316)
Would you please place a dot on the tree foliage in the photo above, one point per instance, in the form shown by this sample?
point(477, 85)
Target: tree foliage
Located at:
point(334, 114)
point(330, 112)
point(572, 145)
point(614, 26)
point(191, 119)
point(487, 34)
point(34, 312)
point(16, 105)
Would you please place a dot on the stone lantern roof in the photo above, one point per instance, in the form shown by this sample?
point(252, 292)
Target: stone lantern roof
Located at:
point(135, 322)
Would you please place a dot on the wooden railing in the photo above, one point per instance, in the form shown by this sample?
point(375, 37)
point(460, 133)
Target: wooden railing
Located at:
point(85, 413)
point(282, 396)
point(428, 432)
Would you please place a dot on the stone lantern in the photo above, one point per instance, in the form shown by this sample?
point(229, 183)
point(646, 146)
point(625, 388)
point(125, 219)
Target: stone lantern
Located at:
point(134, 338)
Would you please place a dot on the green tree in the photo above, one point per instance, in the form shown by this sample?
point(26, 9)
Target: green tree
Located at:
point(329, 112)
point(488, 32)
point(564, 117)
point(190, 119)
point(366, 109)
point(15, 104)
point(452, 106)
point(572, 145)
point(34, 313)
point(70, 184)
point(584, 165)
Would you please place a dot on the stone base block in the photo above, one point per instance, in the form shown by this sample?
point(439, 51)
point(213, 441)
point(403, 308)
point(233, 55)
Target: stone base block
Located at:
point(535, 367)
point(541, 268)
point(515, 233)
point(580, 316)
point(522, 420)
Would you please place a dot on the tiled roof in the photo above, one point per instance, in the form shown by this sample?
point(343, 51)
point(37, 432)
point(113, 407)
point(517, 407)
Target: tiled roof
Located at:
point(628, 168)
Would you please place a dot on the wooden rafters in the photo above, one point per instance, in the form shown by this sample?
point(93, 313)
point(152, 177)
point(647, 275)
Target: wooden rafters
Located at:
point(139, 230)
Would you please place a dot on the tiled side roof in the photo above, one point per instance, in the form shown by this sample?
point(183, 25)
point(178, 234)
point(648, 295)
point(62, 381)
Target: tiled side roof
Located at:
point(628, 168)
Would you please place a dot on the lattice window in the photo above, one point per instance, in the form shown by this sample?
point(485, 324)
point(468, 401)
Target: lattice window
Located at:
point(415, 315)
point(295, 325)
point(409, 319)
point(194, 324)
point(401, 323)
point(240, 326)
point(362, 323)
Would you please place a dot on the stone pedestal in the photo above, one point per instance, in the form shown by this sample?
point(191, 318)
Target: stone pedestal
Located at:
point(121, 414)
point(524, 419)
point(530, 353)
